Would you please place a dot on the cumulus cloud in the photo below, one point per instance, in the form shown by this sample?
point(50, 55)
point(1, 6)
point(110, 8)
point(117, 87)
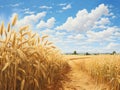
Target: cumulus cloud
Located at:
point(101, 35)
point(76, 37)
point(90, 27)
point(103, 21)
point(29, 19)
point(60, 33)
point(84, 20)
point(49, 24)
point(113, 45)
point(47, 32)
point(117, 34)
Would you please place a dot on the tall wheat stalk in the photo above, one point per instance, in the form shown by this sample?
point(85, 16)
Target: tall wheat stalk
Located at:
point(28, 61)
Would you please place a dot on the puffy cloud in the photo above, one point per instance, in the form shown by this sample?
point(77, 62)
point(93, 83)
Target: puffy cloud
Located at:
point(76, 37)
point(94, 25)
point(113, 45)
point(117, 34)
point(101, 35)
point(29, 19)
point(47, 32)
point(85, 21)
point(103, 21)
point(60, 33)
point(49, 24)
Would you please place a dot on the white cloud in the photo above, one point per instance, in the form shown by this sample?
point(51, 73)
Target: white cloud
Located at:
point(101, 35)
point(15, 5)
point(76, 37)
point(49, 24)
point(29, 19)
point(67, 7)
point(84, 21)
point(62, 4)
point(60, 33)
point(94, 23)
point(45, 7)
point(103, 21)
point(29, 12)
point(47, 32)
point(117, 34)
point(26, 9)
point(112, 45)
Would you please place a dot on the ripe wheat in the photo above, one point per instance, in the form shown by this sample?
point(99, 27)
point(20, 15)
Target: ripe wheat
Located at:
point(28, 61)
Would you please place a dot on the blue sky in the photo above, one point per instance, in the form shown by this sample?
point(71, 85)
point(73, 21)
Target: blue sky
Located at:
point(81, 25)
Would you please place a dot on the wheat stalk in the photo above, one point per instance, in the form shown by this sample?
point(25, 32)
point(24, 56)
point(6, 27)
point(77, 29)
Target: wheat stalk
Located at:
point(1, 29)
point(22, 84)
point(8, 27)
point(26, 63)
point(14, 20)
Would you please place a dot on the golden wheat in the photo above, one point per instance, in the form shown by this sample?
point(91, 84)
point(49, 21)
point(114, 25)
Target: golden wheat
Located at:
point(8, 27)
point(14, 20)
point(26, 63)
point(104, 69)
point(1, 29)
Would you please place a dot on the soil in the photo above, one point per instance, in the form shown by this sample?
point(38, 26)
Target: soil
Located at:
point(81, 80)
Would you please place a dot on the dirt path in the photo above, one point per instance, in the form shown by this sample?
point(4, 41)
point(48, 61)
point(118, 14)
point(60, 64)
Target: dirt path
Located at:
point(80, 80)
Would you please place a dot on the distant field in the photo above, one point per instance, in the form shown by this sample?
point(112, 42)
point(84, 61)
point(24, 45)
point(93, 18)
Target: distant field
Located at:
point(104, 69)
point(77, 56)
point(91, 57)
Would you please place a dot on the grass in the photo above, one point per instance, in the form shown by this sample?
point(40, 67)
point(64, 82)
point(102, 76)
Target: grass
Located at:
point(28, 61)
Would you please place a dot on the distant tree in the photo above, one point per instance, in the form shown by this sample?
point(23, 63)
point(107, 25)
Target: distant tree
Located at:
point(75, 52)
point(87, 53)
point(96, 54)
point(114, 52)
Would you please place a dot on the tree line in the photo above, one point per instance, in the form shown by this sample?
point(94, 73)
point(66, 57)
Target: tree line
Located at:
point(87, 53)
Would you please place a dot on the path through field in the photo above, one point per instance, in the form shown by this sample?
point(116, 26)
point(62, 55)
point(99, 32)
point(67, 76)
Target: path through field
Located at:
point(79, 79)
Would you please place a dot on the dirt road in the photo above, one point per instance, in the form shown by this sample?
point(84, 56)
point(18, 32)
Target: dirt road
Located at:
point(79, 79)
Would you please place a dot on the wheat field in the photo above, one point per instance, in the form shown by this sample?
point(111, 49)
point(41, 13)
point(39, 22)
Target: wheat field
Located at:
point(103, 70)
point(28, 61)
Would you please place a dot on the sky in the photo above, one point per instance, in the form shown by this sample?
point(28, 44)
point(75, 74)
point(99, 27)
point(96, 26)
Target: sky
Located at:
point(83, 25)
